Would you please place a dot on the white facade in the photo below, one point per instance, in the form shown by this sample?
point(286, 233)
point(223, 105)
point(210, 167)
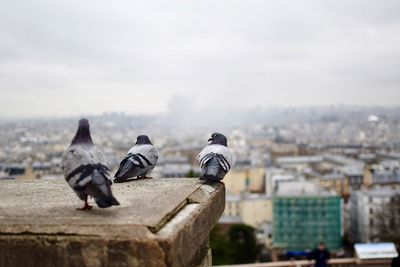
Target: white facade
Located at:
point(365, 205)
point(274, 176)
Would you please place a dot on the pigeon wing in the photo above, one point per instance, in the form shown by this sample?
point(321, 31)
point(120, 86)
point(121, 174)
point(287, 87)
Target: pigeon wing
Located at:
point(78, 163)
point(147, 154)
point(100, 159)
point(140, 160)
point(72, 159)
point(220, 152)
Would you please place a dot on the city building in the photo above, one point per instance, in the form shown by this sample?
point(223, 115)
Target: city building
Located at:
point(337, 182)
point(252, 209)
point(304, 215)
point(175, 167)
point(247, 179)
point(352, 169)
point(274, 176)
point(385, 173)
point(365, 206)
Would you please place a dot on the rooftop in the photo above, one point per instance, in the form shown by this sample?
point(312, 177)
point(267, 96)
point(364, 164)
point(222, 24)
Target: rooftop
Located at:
point(301, 188)
point(381, 191)
point(299, 160)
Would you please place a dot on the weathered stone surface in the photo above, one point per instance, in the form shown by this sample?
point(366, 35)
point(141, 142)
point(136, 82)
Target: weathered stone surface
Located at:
point(161, 222)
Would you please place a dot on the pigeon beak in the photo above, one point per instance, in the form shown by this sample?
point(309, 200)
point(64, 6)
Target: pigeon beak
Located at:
point(210, 139)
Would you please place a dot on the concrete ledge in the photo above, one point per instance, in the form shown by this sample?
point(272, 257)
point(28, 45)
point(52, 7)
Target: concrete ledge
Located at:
point(161, 222)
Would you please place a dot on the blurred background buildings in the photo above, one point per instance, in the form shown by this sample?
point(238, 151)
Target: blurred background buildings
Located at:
point(329, 177)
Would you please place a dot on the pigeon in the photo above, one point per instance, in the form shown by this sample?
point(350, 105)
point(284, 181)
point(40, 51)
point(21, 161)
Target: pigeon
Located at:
point(140, 160)
point(84, 168)
point(215, 159)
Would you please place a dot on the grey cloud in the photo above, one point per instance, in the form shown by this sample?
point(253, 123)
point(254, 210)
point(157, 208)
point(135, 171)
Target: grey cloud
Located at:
point(91, 57)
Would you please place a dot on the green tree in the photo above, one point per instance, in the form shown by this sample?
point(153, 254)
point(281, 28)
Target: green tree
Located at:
point(242, 238)
point(220, 247)
point(237, 246)
point(191, 174)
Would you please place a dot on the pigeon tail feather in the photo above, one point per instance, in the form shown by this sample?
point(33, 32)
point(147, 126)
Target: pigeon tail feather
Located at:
point(212, 169)
point(100, 189)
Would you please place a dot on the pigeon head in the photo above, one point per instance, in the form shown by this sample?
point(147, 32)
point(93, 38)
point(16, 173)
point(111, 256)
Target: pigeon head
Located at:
point(82, 135)
point(143, 140)
point(218, 139)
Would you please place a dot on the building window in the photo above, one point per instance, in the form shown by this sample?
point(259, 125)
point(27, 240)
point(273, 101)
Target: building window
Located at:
point(371, 211)
point(371, 222)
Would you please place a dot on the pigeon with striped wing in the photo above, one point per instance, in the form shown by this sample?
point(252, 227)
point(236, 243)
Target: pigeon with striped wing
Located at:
point(139, 162)
point(215, 159)
point(85, 169)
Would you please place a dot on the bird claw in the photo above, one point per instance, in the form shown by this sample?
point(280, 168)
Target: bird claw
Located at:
point(86, 207)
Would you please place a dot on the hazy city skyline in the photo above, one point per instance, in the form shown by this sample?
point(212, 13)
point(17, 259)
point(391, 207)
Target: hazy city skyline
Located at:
point(75, 58)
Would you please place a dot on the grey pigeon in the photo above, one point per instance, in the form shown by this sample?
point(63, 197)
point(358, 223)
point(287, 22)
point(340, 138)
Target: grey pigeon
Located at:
point(85, 169)
point(140, 160)
point(215, 159)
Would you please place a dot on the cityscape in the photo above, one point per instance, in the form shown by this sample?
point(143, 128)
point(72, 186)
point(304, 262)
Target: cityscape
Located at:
point(200, 133)
point(301, 176)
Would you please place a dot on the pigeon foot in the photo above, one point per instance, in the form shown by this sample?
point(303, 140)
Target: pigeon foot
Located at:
point(86, 206)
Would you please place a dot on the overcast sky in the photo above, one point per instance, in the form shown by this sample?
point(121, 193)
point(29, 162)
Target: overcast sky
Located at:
point(62, 58)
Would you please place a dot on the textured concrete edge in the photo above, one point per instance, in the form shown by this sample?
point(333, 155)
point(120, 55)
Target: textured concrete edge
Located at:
point(168, 217)
point(181, 241)
point(125, 231)
point(187, 244)
point(68, 251)
point(207, 261)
